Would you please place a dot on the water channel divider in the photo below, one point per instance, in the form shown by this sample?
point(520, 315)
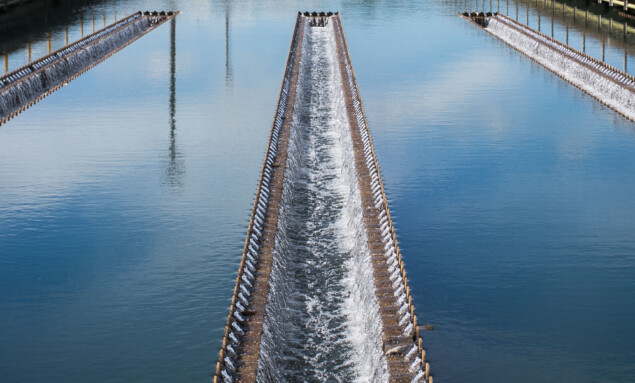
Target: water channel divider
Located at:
point(402, 344)
point(616, 75)
point(11, 83)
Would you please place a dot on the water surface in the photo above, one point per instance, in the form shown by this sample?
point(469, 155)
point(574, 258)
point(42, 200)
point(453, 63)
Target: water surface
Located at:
point(124, 200)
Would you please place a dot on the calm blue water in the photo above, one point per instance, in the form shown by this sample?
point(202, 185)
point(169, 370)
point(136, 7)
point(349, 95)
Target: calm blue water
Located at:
point(121, 234)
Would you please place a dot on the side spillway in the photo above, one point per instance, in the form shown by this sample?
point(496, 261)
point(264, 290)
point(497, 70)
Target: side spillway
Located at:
point(29, 84)
point(607, 84)
point(321, 292)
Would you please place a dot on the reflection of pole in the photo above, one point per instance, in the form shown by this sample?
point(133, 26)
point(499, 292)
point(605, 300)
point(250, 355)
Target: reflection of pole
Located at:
point(552, 26)
point(228, 64)
point(172, 75)
point(602, 50)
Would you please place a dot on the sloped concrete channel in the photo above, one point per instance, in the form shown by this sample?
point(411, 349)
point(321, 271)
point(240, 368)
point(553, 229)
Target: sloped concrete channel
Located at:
point(321, 292)
point(609, 85)
point(29, 84)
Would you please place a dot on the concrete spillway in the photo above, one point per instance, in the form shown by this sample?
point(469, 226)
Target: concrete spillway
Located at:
point(27, 85)
point(607, 84)
point(321, 292)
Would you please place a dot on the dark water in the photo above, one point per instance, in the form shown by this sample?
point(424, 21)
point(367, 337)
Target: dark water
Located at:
point(121, 227)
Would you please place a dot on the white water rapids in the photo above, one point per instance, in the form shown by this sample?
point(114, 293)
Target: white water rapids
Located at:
point(322, 320)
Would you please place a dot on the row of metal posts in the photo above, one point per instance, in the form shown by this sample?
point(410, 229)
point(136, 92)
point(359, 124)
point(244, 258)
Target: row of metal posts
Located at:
point(49, 39)
point(575, 11)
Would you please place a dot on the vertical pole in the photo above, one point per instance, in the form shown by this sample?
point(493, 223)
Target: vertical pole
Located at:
point(625, 56)
point(93, 17)
point(490, 5)
point(49, 44)
point(538, 21)
point(66, 36)
point(81, 24)
point(527, 17)
point(610, 3)
point(516, 10)
point(626, 5)
point(103, 16)
point(6, 63)
point(584, 41)
point(29, 49)
point(625, 29)
point(507, 13)
point(498, 5)
point(566, 34)
point(610, 24)
point(599, 22)
point(586, 17)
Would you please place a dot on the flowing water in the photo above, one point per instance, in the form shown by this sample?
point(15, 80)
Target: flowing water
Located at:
point(125, 198)
point(322, 321)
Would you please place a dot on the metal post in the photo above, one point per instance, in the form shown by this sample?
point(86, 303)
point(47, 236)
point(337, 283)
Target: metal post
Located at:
point(626, 5)
point(610, 25)
point(625, 29)
point(29, 49)
point(507, 13)
point(93, 17)
point(6, 63)
point(49, 44)
point(599, 22)
point(81, 24)
point(552, 27)
point(625, 56)
point(566, 34)
point(103, 16)
point(516, 10)
point(66, 37)
point(539, 22)
point(586, 17)
point(584, 41)
point(610, 3)
point(575, 11)
point(527, 17)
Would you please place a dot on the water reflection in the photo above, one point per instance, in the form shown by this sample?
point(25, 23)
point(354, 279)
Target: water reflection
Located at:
point(228, 62)
point(175, 170)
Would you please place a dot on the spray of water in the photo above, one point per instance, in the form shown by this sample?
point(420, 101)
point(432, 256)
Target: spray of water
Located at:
point(322, 318)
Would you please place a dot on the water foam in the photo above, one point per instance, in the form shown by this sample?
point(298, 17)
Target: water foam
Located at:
point(618, 92)
point(322, 318)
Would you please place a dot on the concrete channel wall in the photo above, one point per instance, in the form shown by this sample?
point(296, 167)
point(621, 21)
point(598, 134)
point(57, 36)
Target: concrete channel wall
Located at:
point(30, 83)
point(401, 343)
point(609, 85)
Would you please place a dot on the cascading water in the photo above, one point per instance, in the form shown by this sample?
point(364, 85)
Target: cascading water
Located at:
point(18, 90)
point(613, 88)
point(322, 318)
